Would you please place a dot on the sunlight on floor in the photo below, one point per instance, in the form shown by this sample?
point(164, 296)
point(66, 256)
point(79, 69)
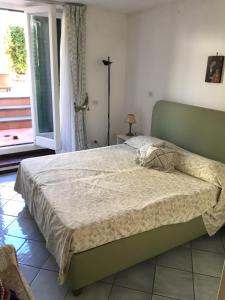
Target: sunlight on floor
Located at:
point(16, 136)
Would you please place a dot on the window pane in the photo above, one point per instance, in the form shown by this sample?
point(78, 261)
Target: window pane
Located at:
point(42, 73)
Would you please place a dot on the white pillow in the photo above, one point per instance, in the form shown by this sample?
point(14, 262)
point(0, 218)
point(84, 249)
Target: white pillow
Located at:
point(142, 140)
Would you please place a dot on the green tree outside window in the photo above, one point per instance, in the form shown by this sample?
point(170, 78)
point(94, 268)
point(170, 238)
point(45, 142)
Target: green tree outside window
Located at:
point(17, 49)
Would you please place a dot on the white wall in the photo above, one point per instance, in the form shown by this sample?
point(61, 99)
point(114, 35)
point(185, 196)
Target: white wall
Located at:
point(168, 48)
point(106, 36)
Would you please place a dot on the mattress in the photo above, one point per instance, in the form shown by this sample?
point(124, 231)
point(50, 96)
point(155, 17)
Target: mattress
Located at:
point(89, 198)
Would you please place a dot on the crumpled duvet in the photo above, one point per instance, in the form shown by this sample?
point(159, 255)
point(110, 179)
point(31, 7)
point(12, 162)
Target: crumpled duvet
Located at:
point(88, 198)
point(210, 171)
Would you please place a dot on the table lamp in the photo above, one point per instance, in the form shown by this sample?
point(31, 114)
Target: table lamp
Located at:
point(130, 120)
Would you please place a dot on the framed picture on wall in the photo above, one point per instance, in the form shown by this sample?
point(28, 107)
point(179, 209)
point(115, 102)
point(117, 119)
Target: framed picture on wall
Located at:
point(214, 69)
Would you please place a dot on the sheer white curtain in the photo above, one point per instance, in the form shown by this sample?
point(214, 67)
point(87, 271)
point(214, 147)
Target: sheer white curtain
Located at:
point(67, 115)
point(72, 78)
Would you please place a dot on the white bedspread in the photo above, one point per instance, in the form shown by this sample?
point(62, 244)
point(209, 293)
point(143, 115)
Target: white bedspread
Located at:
point(85, 199)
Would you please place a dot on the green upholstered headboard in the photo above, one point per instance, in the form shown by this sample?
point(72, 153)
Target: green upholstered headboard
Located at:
point(196, 129)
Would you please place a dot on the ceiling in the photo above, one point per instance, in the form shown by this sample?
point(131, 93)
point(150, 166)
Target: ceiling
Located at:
point(123, 6)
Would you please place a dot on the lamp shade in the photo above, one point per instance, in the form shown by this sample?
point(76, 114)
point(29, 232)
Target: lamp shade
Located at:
point(131, 119)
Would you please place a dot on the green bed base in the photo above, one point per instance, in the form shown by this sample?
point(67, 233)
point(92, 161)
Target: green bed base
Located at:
point(196, 129)
point(92, 265)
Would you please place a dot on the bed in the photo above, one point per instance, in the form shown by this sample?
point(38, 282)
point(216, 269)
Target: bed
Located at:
point(184, 125)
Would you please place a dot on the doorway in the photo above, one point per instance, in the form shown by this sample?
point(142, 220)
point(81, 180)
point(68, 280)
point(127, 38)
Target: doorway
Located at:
point(15, 100)
point(34, 62)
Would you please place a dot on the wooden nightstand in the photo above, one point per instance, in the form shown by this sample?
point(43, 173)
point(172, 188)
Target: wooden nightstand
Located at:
point(121, 138)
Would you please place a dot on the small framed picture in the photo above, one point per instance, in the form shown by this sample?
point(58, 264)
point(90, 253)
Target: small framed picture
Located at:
point(214, 69)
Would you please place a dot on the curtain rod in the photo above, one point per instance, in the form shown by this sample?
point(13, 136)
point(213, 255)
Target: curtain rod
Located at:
point(44, 2)
point(63, 3)
point(78, 4)
point(13, 10)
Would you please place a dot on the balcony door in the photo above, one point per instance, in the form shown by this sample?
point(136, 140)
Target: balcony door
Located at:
point(43, 39)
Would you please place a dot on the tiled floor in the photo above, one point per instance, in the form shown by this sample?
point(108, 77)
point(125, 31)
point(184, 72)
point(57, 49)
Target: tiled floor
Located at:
point(190, 272)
